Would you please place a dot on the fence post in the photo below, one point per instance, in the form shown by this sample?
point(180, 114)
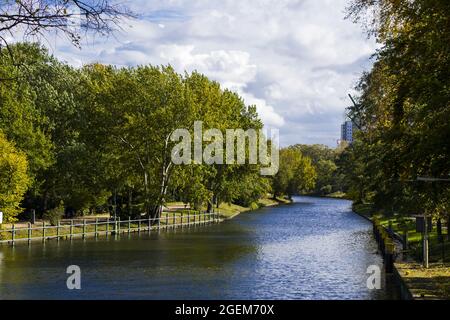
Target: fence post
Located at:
point(96, 227)
point(33, 216)
point(57, 230)
point(181, 219)
point(189, 219)
point(139, 226)
point(389, 257)
point(84, 228)
point(159, 221)
point(71, 229)
point(43, 230)
point(107, 227)
point(129, 224)
point(29, 232)
point(149, 224)
point(174, 220)
point(118, 226)
point(13, 233)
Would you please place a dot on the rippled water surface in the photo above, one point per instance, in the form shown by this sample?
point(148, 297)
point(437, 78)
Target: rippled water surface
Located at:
point(313, 249)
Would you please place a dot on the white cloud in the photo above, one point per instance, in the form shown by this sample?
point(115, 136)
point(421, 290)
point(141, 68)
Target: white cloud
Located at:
point(232, 68)
point(295, 59)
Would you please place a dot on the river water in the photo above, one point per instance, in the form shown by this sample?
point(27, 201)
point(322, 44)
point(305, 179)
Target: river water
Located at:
point(316, 248)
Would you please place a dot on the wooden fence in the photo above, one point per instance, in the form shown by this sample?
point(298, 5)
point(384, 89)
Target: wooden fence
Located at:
point(73, 228)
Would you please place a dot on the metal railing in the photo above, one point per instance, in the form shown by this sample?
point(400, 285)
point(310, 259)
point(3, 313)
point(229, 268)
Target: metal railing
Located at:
point(71, 229)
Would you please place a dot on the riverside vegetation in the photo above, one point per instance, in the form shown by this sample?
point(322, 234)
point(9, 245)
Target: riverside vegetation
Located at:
point(399, 164)
point(95, 139)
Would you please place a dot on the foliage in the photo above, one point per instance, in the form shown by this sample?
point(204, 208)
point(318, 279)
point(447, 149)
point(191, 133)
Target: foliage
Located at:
point(296, 173)
point(99, 137)
point(55, 215)
point(324, 160)
point(14, 180)
point(404, 109)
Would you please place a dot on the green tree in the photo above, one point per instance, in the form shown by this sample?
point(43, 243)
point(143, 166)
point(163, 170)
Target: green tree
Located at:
point(296, 174)
point(403, 108)
point(324, 160)
point(14, 180)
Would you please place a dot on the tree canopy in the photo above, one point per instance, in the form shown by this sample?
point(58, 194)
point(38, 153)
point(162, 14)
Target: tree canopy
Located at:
point(296, 173)
point(404, 108)
point(99, 137)
point(13, 178)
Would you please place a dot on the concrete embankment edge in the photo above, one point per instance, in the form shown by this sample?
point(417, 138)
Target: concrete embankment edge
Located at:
point(405, 292)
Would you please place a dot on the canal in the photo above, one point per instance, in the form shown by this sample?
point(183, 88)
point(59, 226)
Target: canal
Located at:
point(315, 248)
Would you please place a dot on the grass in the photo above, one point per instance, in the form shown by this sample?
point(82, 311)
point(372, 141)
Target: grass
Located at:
point(364, 209)
point(400, 225)
point(21, 231)
point(337, 195)
point(228, 210)
point(225, 210)
point(431, 283)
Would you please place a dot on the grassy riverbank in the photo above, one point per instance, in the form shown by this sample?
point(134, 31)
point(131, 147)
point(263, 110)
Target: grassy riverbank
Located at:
point(432, 283)
point(228, 211)
point(401, 224)
point(174, 215)
point(334, 195)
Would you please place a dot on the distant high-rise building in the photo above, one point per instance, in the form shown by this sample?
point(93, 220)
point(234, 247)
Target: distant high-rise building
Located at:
point(347, 129)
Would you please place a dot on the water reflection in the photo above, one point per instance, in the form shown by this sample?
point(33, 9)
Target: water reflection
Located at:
point(313, 249)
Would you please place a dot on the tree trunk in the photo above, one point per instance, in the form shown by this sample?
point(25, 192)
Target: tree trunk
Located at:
point(210, 207)
point(448, 227)
point(147, 202)
point(130, 201)
point(45, 201)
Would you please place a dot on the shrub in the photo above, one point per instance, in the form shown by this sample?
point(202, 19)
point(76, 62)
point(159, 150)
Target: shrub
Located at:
point(55, 215)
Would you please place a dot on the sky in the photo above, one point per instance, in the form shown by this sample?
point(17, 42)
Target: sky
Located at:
point(296, 60)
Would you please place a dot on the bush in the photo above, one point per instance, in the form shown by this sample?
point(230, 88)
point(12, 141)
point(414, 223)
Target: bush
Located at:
point(326, 189)
point(254, 206)
point(55, 215)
